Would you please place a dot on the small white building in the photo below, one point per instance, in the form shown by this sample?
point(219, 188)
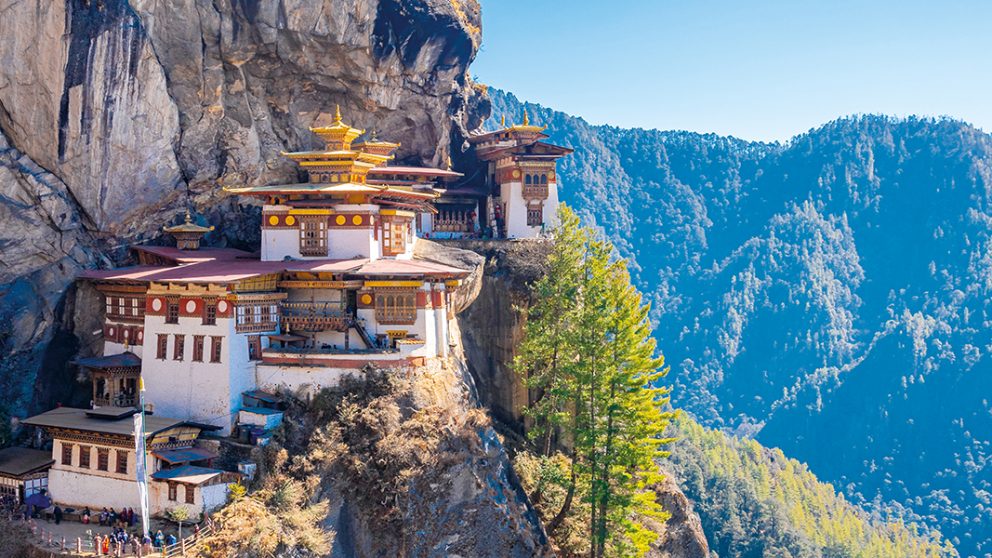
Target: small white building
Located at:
point(521, 185)
point(23, 473)
point(95, 462)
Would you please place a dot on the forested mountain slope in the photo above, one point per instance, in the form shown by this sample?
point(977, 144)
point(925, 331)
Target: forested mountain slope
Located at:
point(829, 296)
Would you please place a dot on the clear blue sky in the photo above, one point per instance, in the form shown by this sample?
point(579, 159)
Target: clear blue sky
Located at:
point(763, 70)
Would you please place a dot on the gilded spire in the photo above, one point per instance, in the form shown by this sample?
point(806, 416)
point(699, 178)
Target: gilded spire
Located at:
point(502, 120)
point(337, 114)
point(526, 117)
point(449, 162)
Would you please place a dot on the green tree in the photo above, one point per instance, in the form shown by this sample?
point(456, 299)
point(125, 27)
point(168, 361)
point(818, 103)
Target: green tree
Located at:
point(589, 355)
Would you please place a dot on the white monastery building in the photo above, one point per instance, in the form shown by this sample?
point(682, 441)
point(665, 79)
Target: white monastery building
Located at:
point(335, 288)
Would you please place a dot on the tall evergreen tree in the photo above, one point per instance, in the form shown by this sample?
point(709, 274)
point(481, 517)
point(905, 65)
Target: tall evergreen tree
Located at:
point(589, 355)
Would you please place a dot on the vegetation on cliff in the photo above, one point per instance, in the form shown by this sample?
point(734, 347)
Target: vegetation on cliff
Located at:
point(589, 356)
point(395, 463)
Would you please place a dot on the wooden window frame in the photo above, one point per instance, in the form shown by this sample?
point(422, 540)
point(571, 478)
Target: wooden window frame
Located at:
point(103, 459)
point(172, 311)
point(396, 307)
point(121, 462)
point(67, 454)
point(162, 348)
point(84, 457)
point(178, 346)
point(210, 313)
point(535, 217)
point(190, 494)
point(216, 348)
point(173, 492)
point(198, 344)
point(313, 246)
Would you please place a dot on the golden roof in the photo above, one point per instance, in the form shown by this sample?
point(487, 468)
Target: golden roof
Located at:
point(526, 126)
point(187, 227)
point(337, 136)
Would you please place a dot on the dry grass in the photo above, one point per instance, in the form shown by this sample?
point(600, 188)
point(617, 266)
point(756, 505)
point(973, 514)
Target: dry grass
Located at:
point(369, 442)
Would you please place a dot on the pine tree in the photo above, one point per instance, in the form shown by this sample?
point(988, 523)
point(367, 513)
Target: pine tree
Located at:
point(589, 355)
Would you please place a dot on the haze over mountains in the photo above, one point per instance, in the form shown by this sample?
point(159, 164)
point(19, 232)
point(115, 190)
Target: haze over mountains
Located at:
point(828, 296)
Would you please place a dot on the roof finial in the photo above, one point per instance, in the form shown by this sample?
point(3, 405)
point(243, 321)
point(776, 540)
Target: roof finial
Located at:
point(337, 114)
point(189, 218)
point(502, 120)
point(526, 117)
point(449, 161)
point(375, 135)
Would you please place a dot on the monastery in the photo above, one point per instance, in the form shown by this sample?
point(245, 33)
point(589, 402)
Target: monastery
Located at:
point(215, 334)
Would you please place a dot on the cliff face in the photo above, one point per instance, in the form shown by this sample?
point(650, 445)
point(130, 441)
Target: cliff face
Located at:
point(111, 111)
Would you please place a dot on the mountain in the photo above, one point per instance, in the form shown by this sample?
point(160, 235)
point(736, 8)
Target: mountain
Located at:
point(828, 296)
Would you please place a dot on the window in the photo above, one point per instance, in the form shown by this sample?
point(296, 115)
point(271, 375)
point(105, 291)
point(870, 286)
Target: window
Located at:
point(84, 457)
point(197, 348)
point(66, 454)
point(535, 217)
point(102, 459)
point(172, 492)
point(125, 307)
point(172, 312)
point(210, 313)
point(396, 307)
point(544, 179)
point(313, 236)
point(190, 494)
point(215, 346)
point(163, 346)
point(122, 462)
point(254, 347)
point(179, 347)
point(527, 179)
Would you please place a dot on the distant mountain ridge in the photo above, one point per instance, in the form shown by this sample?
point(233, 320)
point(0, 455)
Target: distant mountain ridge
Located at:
point(829, 295)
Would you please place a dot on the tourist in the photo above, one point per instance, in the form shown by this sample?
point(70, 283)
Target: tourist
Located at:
point(171, 540)
point(130, 517)
point(104, 516)
point(85, 517)
point(57, 512)
point(97, 544)
point(146, 543)
point(159, 539)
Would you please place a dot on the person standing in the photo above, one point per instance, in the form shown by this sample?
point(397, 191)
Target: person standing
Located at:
point(58, 514)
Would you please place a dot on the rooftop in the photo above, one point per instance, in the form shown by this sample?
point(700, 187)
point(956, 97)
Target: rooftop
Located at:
point(188, 474)
point(179, 256)
point(17, 462)
point(232, 271)
point(122, 360)
point(104, 421)
point(184, 455)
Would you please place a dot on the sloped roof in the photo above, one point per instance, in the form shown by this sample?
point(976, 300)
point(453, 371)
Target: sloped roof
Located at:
point(187, 473)
point(17, 462)
point(88, 420)
point(122, 360)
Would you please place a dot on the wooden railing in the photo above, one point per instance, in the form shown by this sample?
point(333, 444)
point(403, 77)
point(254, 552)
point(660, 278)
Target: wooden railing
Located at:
point(539, 191)
point(80, 546)
point(119, 400)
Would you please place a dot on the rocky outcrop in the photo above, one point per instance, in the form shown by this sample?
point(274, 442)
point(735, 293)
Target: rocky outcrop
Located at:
point(492, 326)
point(114, 111)
point(682, 535)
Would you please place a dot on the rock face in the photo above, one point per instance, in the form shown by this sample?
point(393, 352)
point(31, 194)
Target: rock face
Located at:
point(682, 535)
point(492, 326)
point(112, 111)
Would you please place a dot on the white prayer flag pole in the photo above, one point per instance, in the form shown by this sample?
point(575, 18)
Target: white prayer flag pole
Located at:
point(139, 446)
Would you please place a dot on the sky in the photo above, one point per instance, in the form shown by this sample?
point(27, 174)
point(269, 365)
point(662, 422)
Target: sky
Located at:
point(758, 70)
